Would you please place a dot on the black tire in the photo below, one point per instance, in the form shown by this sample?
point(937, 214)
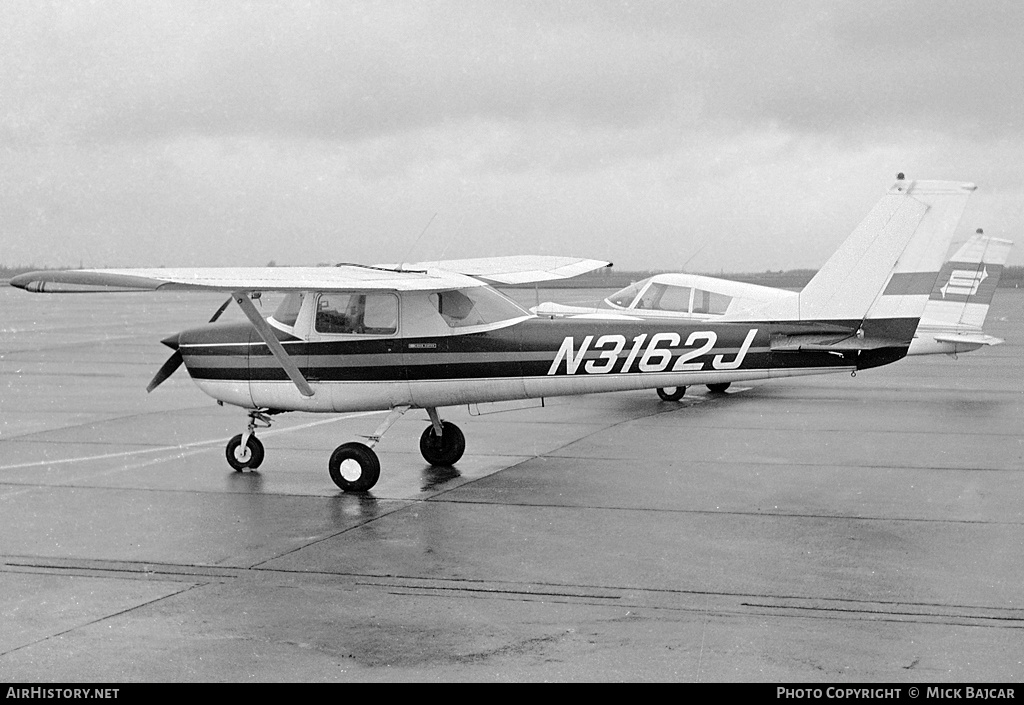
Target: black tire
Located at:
point(446, 450)
point(363, 459)
point(675, 394)
point(719, 388)
point(255, 454)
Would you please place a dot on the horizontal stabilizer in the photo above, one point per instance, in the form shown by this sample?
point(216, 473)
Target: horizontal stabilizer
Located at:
point(812, 328)
point(977, 339)
point(830, 343)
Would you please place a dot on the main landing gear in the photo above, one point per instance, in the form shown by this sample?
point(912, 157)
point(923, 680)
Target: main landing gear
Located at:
point(671, 393)
point(354, 467)
point(676, 393)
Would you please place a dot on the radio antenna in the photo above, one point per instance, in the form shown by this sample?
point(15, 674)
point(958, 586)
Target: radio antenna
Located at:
point(417, 241)
point(694, 255)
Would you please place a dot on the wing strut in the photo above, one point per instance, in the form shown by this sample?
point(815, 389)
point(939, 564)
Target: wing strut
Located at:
point(267, 333)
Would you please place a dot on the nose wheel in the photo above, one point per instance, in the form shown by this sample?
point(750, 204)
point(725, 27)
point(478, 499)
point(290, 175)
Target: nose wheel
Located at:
point(245, 451)
point(249, 456)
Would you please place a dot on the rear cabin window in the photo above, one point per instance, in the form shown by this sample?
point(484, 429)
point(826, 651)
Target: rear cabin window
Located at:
point(475, 306)
point(710, 302)
point(357, 314)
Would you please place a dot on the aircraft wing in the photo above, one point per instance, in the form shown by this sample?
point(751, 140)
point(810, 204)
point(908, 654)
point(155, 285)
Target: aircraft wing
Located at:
point(350, 277)
point(515, 269)
point(347, 277)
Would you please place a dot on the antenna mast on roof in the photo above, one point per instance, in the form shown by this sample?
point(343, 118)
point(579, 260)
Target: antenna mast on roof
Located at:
point(417, 241)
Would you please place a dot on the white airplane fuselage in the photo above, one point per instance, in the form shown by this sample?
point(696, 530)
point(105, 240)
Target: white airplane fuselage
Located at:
point(525, 357)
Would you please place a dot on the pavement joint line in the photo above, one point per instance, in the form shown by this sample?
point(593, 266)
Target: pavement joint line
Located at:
point(98, 620)
point(792, 463)
point(891, 613)
point(421, 585)
point(711, 512)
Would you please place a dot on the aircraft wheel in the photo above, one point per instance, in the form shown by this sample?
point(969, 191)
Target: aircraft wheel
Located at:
point(241, 458)
point(446, 450)
point(719, 388)
point(671, 393)
point(354, 467)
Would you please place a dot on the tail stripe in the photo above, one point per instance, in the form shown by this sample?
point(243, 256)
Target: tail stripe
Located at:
point(910, 284)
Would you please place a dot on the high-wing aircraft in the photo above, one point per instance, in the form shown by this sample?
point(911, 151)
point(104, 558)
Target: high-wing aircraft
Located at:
point(430, 335)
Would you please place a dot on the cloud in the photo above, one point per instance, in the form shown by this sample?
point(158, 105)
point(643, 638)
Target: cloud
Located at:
point(344, 72)
point(211, 133)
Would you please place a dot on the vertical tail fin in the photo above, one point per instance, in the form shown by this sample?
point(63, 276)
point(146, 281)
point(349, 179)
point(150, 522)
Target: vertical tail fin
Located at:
point(966, 283)
point(888, 265)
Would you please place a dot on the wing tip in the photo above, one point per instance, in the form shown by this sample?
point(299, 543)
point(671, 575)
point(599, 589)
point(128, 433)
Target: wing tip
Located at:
point(30, 281)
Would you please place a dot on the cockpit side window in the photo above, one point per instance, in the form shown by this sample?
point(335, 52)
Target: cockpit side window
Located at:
point(675, 298)
point(357, 313)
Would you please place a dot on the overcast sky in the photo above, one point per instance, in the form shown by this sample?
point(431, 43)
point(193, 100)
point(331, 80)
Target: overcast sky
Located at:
point(710, 136)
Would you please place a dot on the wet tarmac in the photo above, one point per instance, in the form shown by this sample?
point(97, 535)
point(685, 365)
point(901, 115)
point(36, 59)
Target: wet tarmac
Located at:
point(822, 529)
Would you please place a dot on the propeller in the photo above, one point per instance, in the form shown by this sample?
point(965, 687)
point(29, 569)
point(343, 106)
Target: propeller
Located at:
point(175, 360)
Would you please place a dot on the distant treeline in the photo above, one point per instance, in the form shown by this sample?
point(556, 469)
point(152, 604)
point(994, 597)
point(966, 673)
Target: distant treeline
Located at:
point(610, 278)
point(1012, 277)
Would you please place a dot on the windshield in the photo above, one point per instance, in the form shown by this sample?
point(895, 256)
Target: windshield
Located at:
point(623, 298)
point(475, 306)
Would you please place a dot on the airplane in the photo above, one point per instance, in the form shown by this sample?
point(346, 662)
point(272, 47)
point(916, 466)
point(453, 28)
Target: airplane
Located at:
point(951, 323)
point(436, 334)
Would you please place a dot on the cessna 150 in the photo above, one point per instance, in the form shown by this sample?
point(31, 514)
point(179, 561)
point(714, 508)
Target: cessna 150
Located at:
point(430, 335)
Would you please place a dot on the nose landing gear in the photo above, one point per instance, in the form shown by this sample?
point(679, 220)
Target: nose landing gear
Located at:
point(245, 451)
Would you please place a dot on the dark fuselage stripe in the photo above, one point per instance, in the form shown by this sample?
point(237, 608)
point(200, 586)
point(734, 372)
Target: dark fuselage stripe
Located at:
point(535, 348)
